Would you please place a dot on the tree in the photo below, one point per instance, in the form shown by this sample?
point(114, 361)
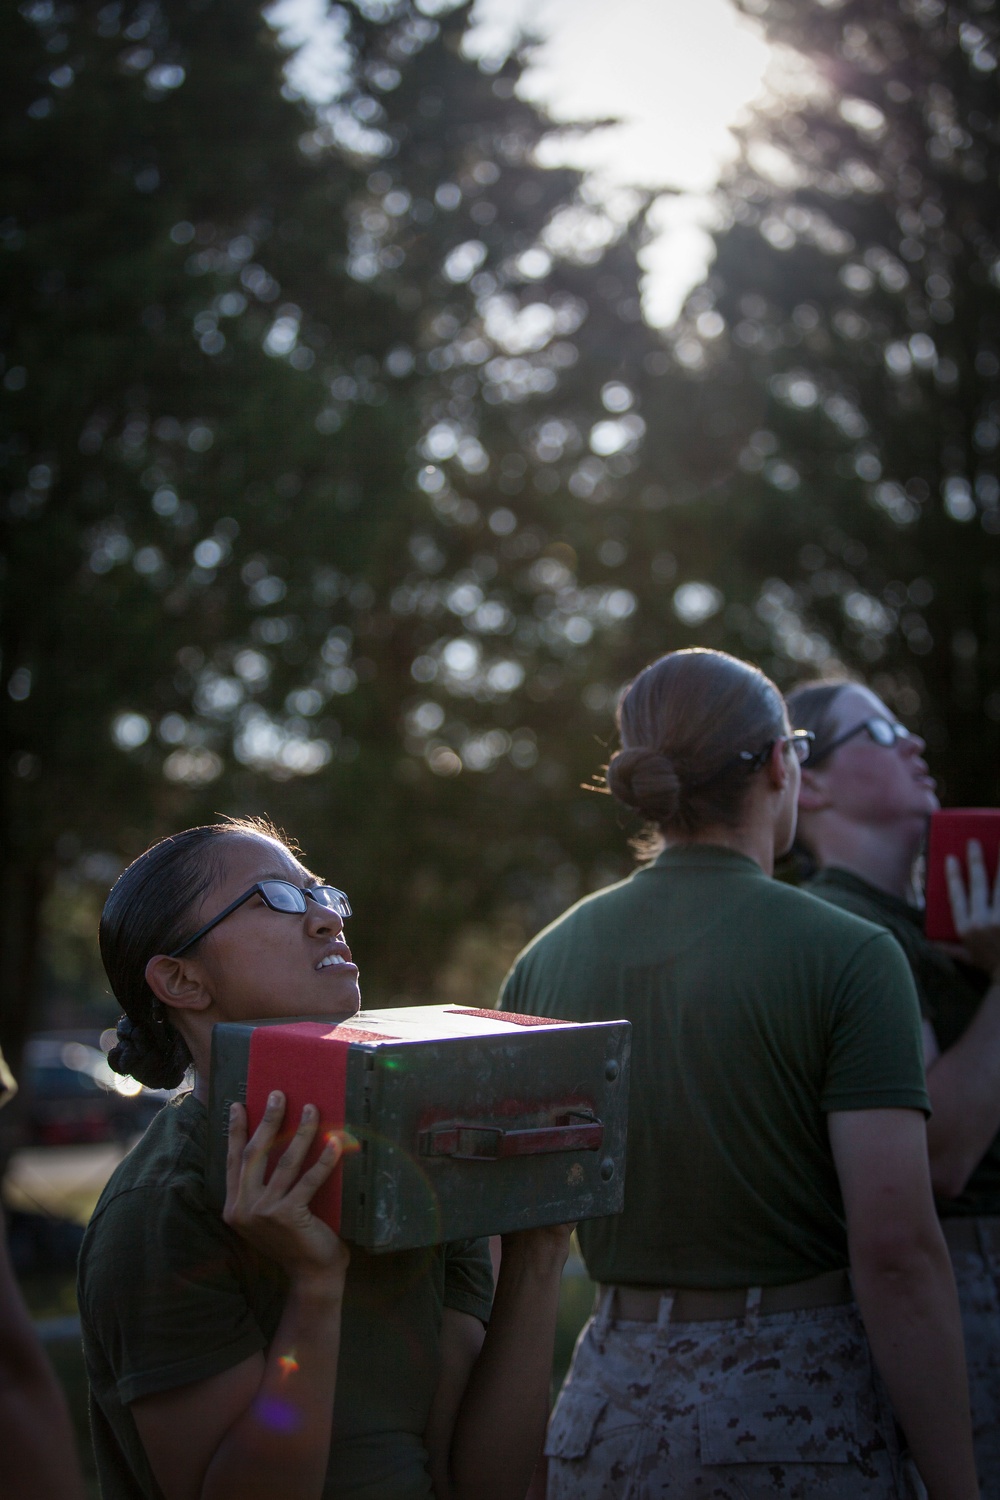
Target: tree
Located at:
point(172, 324)
point(849, 337)
point(323, 456)
point(504, 601)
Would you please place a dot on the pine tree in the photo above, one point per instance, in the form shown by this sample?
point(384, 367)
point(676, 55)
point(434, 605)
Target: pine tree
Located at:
point(850, 331)
point(505, 603)
point(174, 461)
point(330, 493)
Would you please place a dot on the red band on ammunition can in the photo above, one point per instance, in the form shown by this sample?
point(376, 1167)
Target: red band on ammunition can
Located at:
point(950, 832)
point(307, 1061)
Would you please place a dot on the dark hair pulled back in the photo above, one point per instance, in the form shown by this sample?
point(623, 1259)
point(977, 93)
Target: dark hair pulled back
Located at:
point(148, 911)
point(683, 723)
point(811, 706)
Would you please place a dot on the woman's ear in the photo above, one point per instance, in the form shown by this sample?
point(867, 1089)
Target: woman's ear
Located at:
point(814, 794)
point(175, 982)
point(778, 769)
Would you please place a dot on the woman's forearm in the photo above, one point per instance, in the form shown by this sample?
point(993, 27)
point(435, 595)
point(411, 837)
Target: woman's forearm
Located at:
point(964, 1085)
point(281, 1443)
point(910, 1310)
point(500, 1426)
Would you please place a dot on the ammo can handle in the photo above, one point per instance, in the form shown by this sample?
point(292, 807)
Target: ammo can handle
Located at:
point(467, 1141)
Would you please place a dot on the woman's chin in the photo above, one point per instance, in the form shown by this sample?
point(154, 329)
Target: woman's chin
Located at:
point(347, 1000)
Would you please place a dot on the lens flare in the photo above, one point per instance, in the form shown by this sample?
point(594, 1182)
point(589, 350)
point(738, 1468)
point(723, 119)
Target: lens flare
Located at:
point(279, 1416)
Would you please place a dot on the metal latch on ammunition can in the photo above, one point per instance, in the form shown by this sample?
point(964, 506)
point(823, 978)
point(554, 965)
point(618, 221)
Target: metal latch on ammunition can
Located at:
point(464, 1140)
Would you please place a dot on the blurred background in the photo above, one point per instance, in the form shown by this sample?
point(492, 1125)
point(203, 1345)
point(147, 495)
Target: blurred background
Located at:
point(384, 383)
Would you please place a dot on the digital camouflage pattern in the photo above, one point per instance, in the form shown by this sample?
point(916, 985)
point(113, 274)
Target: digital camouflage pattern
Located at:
point(786, 1404)
point(977, 1276)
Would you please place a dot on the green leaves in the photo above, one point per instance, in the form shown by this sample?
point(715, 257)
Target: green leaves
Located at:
point(859, 318)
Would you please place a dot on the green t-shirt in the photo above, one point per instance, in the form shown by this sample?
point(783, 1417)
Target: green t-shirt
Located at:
point(755, 1010)
point(169, 1294)
point(949, 994)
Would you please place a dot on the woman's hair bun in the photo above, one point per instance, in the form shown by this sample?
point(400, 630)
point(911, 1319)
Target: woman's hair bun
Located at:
point(159, 1062)
point(684, 723)
point(646, 780)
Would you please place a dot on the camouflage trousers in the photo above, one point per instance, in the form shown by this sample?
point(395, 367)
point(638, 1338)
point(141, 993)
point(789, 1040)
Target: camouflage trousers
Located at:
point(975, 1255)
point(782, 1404)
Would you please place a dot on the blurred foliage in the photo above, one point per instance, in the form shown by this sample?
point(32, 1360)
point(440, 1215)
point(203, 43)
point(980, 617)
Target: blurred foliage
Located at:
point(322, 456)
point(846, 349)
point(154, 436)
point(344, 481)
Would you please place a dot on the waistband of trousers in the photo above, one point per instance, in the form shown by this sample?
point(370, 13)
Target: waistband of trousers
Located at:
point(979, 1235)
point(706, 1304)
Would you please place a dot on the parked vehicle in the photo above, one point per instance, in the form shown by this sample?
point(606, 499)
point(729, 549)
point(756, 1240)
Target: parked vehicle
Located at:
point(72, 1097)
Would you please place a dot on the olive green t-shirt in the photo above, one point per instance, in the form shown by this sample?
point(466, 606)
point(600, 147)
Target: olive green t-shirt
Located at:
point(755, 1011)
point(169, 1294)
point(949, 994)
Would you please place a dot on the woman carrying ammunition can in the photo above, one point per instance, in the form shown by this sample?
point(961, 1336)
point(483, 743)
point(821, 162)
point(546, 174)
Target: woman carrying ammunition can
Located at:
point(776, 1141)
point(251, 1354)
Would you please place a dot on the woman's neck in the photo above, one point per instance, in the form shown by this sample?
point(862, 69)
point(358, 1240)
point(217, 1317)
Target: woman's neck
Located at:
point(874, 855)
point(757, 843)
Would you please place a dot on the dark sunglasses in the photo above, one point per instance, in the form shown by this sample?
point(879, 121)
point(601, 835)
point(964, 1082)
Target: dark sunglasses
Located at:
point(279, 895)
point(884, 732)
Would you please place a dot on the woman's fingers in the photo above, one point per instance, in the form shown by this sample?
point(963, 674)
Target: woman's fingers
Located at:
point(246, 1161)
point(255, 1152)
point(979, 888)
point(275, 1215)
point(976, 911)
point(320, 1170)
point(288, 1163)
point(956, 893)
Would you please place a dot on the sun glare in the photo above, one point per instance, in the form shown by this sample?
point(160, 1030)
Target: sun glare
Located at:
point(676, 75)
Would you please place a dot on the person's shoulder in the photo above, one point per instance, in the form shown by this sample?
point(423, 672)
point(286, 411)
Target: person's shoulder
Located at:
point(841, 888)
point(154, 1209)
point(620, 894)
point(580, 921)
point(168, 1158)
point(845, 892)
point(569, 948)
point(576, 933)
point(838, 923)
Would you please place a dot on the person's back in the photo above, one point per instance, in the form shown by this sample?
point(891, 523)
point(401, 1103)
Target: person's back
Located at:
point(755, 1010)
point(774, 1137)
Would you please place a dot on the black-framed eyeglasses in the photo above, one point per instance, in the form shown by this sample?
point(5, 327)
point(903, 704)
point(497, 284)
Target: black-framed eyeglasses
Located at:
point(881, 731)
point(279, 895)
point(801, 741)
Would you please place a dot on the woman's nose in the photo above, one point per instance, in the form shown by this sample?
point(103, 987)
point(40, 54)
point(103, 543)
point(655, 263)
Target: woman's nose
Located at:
point(322, 920)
